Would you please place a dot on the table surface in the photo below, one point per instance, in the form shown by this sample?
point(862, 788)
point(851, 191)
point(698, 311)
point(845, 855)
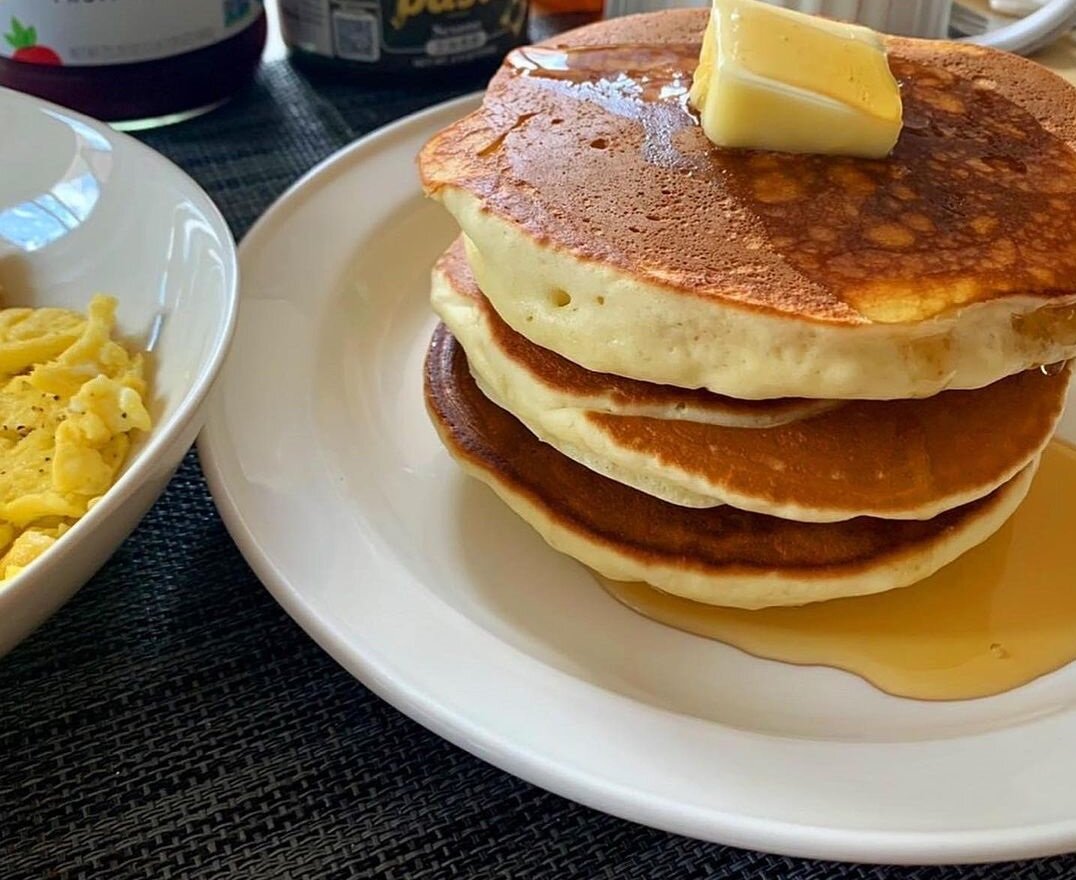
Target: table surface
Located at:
point(172, 721)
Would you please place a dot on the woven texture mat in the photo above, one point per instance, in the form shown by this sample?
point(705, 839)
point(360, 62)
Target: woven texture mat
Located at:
point(172, 721)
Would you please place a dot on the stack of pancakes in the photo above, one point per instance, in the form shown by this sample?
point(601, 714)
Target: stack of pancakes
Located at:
point(753, 378)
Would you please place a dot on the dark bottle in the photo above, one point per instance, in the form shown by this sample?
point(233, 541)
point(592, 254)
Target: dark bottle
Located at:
point(133, 62)
point(392, 37)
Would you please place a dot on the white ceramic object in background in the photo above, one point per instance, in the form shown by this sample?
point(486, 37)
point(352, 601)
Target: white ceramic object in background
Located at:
point(912, 18)
point(419, 581)
point(86, 210)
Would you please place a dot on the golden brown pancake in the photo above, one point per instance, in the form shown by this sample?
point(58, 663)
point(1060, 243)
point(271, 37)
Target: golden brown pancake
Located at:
point(718, 555)
point(901, 459)
point(952, 263)
point(895, 459)
point(977, 194)
point(551, 381)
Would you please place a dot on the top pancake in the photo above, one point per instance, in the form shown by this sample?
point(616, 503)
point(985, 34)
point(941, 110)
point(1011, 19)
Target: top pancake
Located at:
point(585, 174)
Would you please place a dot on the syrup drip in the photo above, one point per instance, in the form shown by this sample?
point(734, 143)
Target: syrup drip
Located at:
point(998, 617)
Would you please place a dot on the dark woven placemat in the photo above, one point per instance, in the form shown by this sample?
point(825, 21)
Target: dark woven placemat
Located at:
point(172, 721)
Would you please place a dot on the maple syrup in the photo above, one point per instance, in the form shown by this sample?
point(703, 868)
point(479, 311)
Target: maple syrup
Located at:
point(996, 618)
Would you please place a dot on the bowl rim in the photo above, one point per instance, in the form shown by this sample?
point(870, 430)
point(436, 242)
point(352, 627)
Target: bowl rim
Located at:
point(140, 462)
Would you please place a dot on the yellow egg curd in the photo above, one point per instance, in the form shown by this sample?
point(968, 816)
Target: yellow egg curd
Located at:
point(70, 398)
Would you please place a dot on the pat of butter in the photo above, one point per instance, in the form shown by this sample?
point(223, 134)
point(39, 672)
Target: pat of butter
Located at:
point(774, 79)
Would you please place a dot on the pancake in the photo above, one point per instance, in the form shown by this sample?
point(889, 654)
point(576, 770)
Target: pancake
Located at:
point(720, 556)
point(901, 459)
point(527, 376)
point(608, 229)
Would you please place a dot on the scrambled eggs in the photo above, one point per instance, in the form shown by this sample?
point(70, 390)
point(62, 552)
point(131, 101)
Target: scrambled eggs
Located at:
point(70, 396)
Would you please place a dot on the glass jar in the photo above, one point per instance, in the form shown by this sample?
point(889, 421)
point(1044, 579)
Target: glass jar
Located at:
point(135, 63)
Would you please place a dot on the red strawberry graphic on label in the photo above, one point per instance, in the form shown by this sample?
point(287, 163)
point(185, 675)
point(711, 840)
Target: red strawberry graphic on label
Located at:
point(24, 41)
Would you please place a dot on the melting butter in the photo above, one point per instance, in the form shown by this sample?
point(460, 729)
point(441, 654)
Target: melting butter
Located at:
point(774, 79)
point(996, 618)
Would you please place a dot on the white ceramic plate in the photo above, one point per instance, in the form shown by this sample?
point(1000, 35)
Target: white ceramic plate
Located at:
point(423, 585)
point(85, 210)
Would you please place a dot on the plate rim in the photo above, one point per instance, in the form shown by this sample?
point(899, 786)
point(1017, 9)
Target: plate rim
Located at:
point(763, 834)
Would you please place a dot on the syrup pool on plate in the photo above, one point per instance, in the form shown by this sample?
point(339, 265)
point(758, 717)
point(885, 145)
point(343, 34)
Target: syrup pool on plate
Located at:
point(996, 618)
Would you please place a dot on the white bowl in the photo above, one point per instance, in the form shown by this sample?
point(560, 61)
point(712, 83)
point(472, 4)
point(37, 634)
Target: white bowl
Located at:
point(84, 210)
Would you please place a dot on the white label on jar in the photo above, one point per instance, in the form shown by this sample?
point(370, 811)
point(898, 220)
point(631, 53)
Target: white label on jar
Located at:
point(92, 32)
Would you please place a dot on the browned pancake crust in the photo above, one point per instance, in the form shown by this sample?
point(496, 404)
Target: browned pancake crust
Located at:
point(719, 539)
point(559, 372)
point(888, 457)
point(977, 201)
